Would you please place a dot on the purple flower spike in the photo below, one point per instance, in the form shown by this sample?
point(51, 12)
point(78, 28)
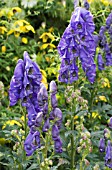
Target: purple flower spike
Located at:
point(100, 62)
point(108, 156)
point(102, 145)
point(110, 123)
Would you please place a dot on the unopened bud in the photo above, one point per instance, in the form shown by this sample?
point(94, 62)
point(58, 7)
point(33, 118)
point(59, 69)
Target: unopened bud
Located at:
point(87, 163)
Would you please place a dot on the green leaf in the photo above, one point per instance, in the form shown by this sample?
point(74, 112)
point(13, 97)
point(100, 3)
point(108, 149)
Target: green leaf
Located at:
point(33, 166)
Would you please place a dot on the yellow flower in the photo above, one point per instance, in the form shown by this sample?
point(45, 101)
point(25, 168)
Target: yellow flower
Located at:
point(76, 117)
point(9, 14)
point(95, 115)
point(46, 35)
point(30, 28)
point(3, 141)
point(51, 29)
point(24, 40)
point(106, 2)
point(103, 98)
point(16, 9)
point(44, 78)
point(3, 30)
point(11, 123)
point(22, 118)
point(3, 48)
point(47, 45)
point(105, 83)
point(90, 1)
point(21, 22)
point(16, 32)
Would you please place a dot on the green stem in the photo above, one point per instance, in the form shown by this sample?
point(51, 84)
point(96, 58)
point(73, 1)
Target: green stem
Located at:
point(25, 128)
point(46, 144)
point(72, 143)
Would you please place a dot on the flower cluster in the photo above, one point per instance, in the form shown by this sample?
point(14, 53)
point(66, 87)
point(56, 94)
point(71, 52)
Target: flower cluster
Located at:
point(105, 44)
point(107, 149)
point(78, 41)
point(24, 86)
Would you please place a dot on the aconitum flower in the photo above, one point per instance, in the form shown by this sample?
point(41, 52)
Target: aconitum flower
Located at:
point(16, 84)
point(100, 62)
point(102, 145)
point(108, 156)
point(32, 142)
point(56, 138)
point(43, 99)
point(78, 42)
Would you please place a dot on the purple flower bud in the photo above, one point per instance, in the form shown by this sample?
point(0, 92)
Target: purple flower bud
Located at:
point(110, 123)
point(54, 102)
point(100, 62)
point(55, 132)
point(109, 20)
point(102, 145)
point(46, 126)
point(58, 145)
point(39, 118)
point(29, 148)
point(86, 5)
point(108, 156)
point(53, 87)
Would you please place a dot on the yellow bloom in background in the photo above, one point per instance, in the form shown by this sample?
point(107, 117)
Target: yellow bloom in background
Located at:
point(75, 117)
point(96, 115)
point(29, 28)
point(106, 2)
point(22, 118)
point(21, 22)
point(51, 29)
point(47, 45)
point(90, 1)
point(44, 78)
point(105, 83)
point(11, 123)
point(24, 40)
point(3, 141)
point(103, 98)
point(16, 9)
point(3, 30)
point(20, 26)
point(3, 48)
point(46, 35)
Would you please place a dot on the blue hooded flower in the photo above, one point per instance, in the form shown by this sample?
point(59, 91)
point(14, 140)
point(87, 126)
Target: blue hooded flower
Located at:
point(100, 62)
point(16, 84)
point(108, 156)
point(102, 145)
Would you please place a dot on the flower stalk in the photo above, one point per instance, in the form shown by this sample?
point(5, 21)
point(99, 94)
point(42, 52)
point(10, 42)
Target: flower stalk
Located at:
point(72, 143)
